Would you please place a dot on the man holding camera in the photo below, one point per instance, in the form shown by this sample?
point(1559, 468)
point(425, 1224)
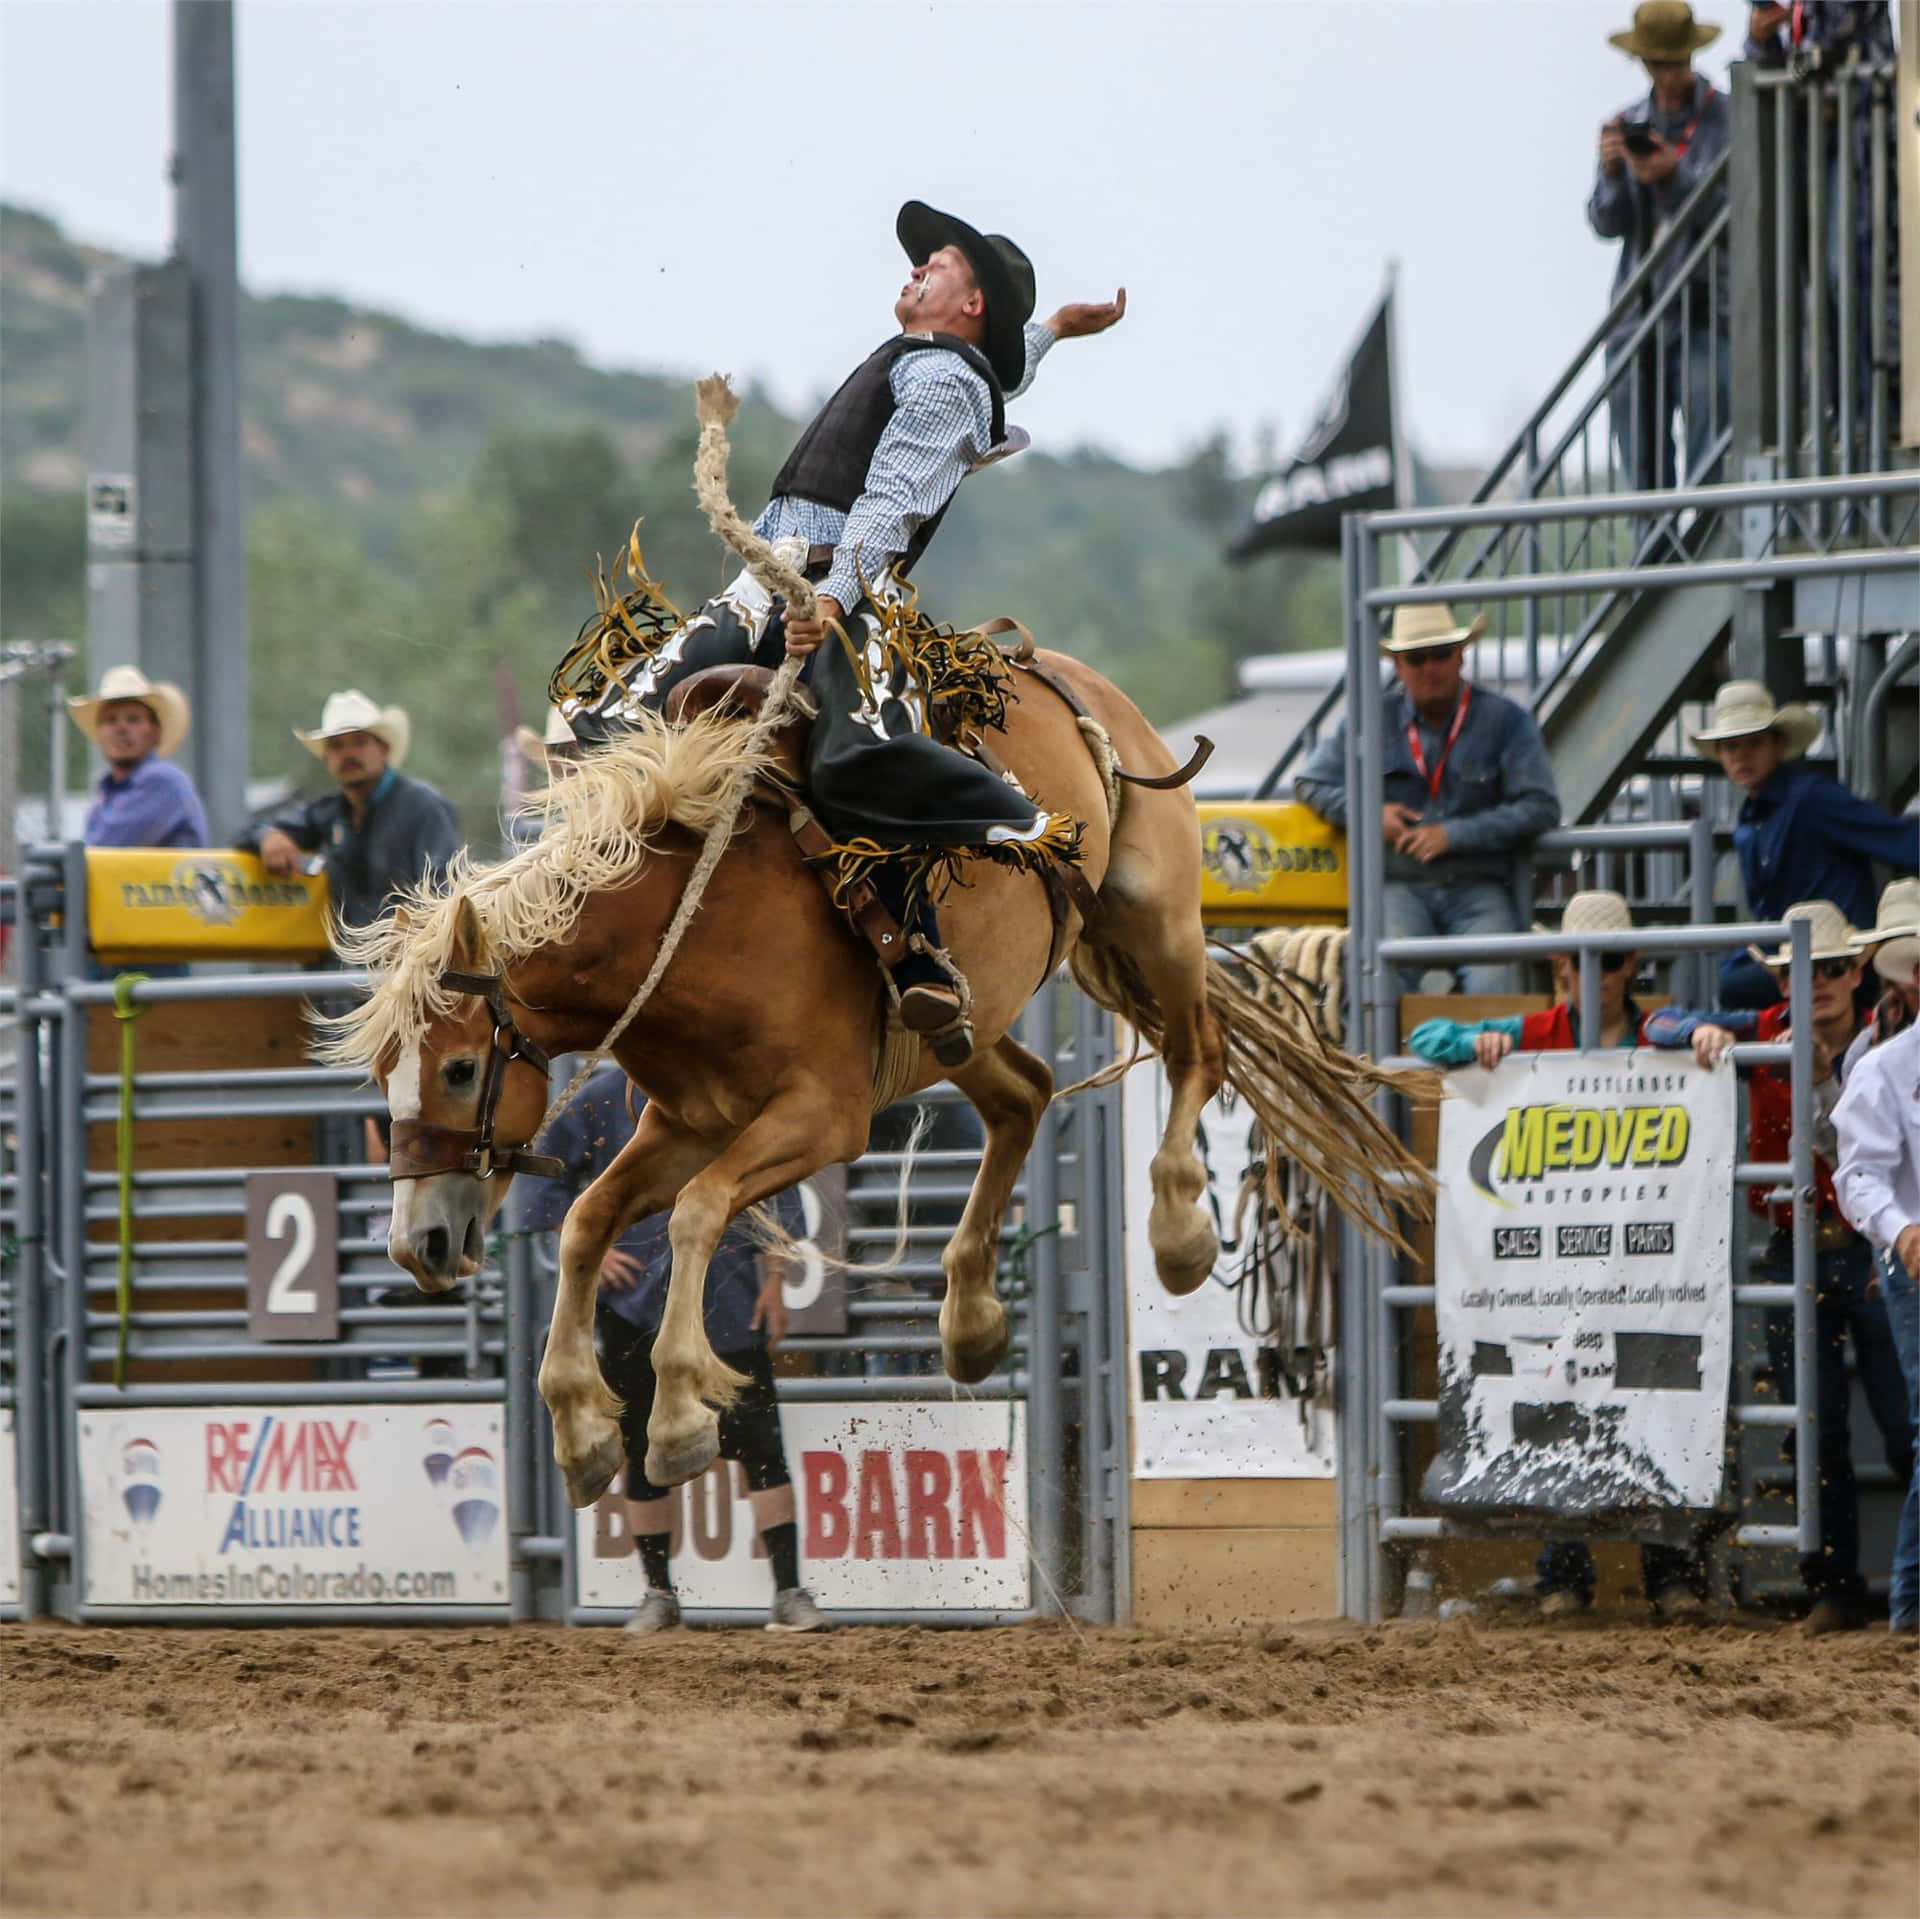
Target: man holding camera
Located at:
point(1652, 157)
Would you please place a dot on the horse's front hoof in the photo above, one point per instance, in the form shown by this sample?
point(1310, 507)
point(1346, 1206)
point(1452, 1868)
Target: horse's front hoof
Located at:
point(594, 1474)
point(971, 1359)
point(680, 1460)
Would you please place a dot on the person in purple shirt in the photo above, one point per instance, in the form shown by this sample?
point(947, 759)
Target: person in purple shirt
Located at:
point(142, 799)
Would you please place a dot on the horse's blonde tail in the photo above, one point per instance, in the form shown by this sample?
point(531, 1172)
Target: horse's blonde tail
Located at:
point(1313, 1099)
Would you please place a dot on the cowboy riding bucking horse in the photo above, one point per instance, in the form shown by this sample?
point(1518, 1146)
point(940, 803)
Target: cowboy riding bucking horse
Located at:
point(853, 508)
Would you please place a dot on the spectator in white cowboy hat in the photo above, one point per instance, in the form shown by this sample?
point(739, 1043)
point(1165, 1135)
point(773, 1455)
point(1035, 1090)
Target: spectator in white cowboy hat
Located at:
point(1893, 941)
point(1800, 834)
point(378, 832)
point(1674, 1577)
point(1877, 1132)
point(1847, 1303)
point(1466, 785)
point(142, 799)
point(554, 742)
point(1653, 155)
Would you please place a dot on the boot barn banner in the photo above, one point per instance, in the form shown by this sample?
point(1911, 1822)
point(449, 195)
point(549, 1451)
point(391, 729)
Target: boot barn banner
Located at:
point(918, 1506)
point(1210, 1400)
point(1584, 1284)
point(294, 1506)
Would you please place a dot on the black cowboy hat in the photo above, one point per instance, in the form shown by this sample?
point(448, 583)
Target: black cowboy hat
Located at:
point(1001, 271)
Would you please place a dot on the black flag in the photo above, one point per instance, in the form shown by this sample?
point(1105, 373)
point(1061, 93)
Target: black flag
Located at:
point(1348, 462)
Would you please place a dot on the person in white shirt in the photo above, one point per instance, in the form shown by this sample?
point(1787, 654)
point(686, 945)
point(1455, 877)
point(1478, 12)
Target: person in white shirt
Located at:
point(1878, 1186)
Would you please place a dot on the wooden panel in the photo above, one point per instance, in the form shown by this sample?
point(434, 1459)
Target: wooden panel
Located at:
point(1233, 1502)
point(1232, 1575)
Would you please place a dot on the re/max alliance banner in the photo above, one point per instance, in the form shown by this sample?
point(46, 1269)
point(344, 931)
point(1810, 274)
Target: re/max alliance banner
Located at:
point(1584, 1284)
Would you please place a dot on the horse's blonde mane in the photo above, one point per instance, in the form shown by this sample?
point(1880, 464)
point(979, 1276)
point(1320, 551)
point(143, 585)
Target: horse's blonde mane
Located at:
point(604, 817)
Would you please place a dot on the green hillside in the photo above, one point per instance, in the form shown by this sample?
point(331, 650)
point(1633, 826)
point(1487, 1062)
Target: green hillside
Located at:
point(425, 510)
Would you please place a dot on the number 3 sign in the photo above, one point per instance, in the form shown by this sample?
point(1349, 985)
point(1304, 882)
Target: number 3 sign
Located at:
point(293, 1258)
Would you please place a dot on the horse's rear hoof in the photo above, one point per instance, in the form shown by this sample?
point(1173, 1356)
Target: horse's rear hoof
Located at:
point(587, 1481)
point(686, 1459)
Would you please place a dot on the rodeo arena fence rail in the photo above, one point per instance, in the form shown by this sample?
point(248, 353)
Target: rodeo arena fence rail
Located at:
point(150, 1390)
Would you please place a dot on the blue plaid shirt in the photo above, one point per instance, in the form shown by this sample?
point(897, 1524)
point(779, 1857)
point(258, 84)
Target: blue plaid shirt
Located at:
point(942, 427)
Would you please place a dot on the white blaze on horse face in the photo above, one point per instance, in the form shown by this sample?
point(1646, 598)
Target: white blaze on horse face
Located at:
point(403, 1085)
point(403, 1102)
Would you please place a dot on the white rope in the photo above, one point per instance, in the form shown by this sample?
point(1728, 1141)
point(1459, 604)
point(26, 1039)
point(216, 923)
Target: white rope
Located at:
point(717, 406)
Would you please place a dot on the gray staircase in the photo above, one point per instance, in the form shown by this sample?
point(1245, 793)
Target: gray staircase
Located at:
point(1610, 711)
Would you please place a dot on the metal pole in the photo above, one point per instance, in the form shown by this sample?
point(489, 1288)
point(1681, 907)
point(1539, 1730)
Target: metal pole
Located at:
point(56, 752)
point(1877, 291)
point(1786, 290)
point(518, 1428)
point(205, 224)
point(1699, 966)
point(1375, 1034)
point(1354, 1408)
point(1589, 1000)
point(1806, 1464)
point(1841, 222)
point(1816, 297)
point(1046, 1439)
point(30, 1353)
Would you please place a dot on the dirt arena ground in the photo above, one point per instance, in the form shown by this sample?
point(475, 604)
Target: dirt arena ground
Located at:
point(1463, 1767)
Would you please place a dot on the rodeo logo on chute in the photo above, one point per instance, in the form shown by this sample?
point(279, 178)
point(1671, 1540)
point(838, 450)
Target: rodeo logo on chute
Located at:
point(1532, 1143)
point(216, 892)
point(470, 1478)
point(1241, 855)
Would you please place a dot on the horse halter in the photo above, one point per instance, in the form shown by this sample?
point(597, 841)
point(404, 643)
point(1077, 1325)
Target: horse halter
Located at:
point(418, 1150)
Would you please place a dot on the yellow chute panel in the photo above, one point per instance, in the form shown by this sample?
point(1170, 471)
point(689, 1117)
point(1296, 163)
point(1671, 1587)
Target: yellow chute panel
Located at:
point(1265, 863)
point(170, 903)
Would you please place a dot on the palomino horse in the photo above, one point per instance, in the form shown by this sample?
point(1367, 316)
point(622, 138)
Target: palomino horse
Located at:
point(765, 1048)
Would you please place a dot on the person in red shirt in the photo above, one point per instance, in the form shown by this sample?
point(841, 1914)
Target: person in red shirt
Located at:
point(1847, 1300)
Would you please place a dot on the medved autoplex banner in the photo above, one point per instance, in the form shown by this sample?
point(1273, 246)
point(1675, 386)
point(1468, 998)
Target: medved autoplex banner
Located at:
point(917, 1506)
point(294, 1506)
point(1209, 1399)
point(1584, 1284)
point(1346, 464)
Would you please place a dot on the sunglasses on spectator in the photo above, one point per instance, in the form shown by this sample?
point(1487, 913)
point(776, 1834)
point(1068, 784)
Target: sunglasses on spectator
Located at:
point(1827, 969)
point(1609, 962)
point(1427, 655)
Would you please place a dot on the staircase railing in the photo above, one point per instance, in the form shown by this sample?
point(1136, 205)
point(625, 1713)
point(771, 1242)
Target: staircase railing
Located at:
point(1656, 299)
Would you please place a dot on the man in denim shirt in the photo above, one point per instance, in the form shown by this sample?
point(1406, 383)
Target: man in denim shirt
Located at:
point(1466, 786)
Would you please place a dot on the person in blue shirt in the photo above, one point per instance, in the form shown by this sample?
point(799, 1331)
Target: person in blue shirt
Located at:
point(1800, 834)
point(142, 799)
point(746, 1319)
point(1467, 785)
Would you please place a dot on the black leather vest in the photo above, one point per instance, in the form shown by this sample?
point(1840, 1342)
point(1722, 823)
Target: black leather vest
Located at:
point(830, 460)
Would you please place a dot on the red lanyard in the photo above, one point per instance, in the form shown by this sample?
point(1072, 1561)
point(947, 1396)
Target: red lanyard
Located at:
point(1453, 733)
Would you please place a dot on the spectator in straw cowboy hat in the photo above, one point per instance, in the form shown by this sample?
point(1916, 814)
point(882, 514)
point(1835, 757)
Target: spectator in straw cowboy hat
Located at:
point(1800, 834)
point(378, 832)
point(1893, 941)
point(1466, 784)
point(1674, 1577)
point(1847, 1300)
point(143, 799)
point(1877, 1131)
point(1653, 155)
point(553, 743)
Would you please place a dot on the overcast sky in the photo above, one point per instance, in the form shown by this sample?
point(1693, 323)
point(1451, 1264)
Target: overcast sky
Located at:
point(688, 186)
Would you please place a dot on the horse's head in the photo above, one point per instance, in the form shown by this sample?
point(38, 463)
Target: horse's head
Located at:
point(466, 1097)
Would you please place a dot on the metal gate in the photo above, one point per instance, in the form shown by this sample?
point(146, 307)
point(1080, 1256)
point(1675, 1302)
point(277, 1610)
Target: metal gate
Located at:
point(107, 1379)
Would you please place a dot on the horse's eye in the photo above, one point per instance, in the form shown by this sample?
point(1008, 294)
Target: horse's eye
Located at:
point(460, 1074)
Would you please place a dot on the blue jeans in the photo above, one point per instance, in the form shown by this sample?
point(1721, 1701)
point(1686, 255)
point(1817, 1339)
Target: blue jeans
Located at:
point(1842, 1310)
point(1414, 911)
point(1697, 386)
point(1902, 1299)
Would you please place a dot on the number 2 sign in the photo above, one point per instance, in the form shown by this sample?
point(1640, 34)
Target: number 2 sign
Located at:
point(293, 1258)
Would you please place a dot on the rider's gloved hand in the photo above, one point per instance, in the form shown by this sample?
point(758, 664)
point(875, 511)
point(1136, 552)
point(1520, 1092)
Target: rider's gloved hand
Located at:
point(804, 635)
